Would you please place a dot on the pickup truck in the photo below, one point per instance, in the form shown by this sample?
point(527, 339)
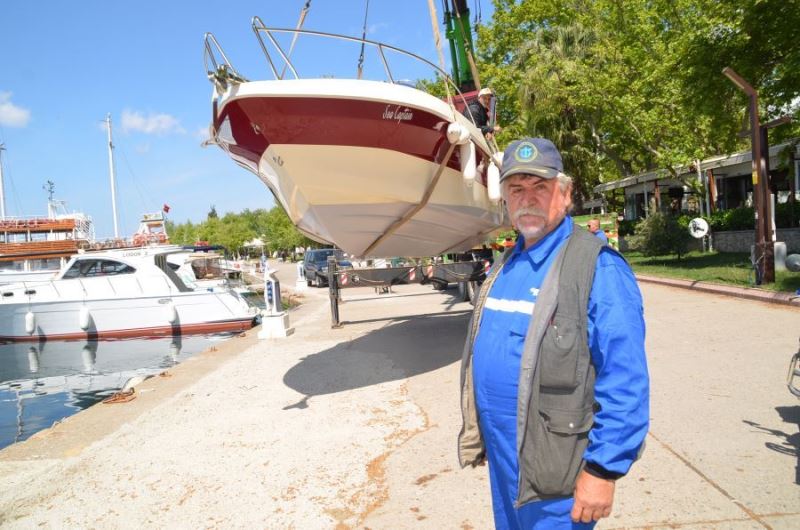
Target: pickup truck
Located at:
point(315, 265)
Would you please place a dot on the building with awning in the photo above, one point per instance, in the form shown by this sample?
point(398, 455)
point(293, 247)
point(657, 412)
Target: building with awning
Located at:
point(727, 177)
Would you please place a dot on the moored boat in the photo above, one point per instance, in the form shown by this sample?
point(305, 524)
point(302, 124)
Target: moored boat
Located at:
point(117, 294)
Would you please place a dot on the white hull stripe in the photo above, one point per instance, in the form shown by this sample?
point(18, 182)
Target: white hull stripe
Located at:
point(510, 306)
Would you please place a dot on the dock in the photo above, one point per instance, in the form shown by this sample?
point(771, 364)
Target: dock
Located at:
point(356, 427)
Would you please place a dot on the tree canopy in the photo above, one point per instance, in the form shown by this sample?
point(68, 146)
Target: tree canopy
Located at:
point(233, 230)
point(625, 87)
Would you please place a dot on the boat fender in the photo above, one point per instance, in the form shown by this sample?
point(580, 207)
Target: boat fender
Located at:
point(84, 318)
point(457, 134)
point(469, 168)
point(30, 322)
point(172, 313)
point(493, 181)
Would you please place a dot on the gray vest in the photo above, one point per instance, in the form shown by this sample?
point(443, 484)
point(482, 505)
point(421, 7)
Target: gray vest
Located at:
point(555, 403)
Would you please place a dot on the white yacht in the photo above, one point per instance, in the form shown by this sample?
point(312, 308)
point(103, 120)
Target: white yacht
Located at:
point(117, 294)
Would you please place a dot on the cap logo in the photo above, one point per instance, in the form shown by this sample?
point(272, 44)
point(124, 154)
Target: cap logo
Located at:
point(526, 152)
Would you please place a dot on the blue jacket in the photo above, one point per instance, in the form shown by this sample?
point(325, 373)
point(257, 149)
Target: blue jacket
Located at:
point(615, 339)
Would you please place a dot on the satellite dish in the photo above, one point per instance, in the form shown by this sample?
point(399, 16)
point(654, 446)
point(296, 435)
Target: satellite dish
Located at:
point(698, 227)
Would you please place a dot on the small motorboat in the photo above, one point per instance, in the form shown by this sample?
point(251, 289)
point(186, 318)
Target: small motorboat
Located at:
point(118, 294)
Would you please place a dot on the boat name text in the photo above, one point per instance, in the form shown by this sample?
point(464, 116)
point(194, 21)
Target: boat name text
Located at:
point(397, 113)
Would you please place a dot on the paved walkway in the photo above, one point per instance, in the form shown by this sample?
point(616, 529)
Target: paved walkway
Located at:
point(355, 428)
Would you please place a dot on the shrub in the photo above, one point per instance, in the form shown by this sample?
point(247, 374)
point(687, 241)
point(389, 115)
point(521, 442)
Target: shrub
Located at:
point(785, 213)
point(735, 219)
point(660, 234)
point(744, 218)
point(627, 228)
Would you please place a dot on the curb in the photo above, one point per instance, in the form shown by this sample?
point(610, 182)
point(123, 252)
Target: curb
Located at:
point(748, 293)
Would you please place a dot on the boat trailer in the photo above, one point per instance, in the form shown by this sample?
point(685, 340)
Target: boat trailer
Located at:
point(466, 272)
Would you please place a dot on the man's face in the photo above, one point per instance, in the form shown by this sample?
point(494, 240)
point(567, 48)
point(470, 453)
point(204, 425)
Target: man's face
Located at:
point(536, 205)
point(484, 100)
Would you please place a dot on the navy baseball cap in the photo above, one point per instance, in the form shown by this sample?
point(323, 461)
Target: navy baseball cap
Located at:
point(532, 156)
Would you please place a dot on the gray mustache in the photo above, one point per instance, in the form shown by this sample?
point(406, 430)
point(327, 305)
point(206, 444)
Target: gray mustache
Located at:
point(529, 210)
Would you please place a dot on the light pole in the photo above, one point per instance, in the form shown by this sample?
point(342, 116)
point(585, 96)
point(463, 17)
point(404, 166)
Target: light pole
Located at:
point(764, 248)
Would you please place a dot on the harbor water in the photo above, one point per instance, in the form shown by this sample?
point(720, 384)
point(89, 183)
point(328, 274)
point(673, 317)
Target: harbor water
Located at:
point(43, 383)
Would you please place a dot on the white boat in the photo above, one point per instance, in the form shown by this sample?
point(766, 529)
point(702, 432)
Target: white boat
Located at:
point(117, 294)
point(376, 168)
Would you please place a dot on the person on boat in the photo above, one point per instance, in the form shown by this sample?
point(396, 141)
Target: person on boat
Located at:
point(594, 228)
point(479, 111)
point(554, 382)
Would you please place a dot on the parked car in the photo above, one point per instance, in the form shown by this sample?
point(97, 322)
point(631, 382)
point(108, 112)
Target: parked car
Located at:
point(315, 265)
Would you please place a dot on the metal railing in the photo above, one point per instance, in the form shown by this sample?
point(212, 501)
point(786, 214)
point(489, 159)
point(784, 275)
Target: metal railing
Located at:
point(222, 73)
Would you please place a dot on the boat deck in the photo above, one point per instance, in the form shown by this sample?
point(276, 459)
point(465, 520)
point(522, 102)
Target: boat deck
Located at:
point(37, 225)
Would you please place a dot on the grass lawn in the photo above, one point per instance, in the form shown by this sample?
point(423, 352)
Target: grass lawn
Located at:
point(732, 269)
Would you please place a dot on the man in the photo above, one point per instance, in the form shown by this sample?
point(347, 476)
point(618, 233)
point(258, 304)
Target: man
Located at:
point(594, 227)
point(554, 384)
point(479, 110)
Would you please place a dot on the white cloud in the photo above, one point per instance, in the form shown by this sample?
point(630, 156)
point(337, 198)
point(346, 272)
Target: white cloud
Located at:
point(151, 124)
point(202, 133)
point(143, 148)
point(12, 115)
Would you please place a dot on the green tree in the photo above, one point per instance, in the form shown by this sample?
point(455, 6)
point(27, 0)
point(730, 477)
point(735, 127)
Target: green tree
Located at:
point(626, 87)
point(281, 234)
point(660, 234)
point(233, 230)
point(758, 39)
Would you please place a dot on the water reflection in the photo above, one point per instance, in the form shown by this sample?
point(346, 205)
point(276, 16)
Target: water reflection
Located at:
point(46, 382)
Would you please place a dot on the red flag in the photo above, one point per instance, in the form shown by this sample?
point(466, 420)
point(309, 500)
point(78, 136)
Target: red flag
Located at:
point(166, 208)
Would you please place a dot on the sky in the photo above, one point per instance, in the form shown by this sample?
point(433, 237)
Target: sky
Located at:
point(66, 65)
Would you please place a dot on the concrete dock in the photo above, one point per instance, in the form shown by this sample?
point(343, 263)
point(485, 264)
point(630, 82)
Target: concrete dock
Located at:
point(356, 427)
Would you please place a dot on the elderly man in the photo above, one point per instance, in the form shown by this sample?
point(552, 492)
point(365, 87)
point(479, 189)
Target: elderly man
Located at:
point(554, 385)
point(479, 110)
point(594, 227)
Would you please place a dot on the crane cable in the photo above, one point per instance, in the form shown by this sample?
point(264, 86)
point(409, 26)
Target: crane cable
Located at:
point(303, 13)
point(437, 38)
point(363, 36)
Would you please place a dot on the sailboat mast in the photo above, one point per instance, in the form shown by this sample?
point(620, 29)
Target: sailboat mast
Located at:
point(2, 185)
point(113, 179)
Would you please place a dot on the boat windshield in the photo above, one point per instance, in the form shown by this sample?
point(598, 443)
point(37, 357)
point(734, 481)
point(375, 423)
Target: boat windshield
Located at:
point(90, 268)
point(206, 268)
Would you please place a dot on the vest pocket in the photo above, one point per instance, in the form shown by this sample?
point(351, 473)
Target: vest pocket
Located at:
point(560, 439)
point(559, 354)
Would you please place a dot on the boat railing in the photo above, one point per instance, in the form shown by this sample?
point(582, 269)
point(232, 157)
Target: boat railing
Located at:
point(222, 73)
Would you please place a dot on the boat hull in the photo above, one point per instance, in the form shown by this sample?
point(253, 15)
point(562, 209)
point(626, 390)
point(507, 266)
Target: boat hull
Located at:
point(348, 160)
